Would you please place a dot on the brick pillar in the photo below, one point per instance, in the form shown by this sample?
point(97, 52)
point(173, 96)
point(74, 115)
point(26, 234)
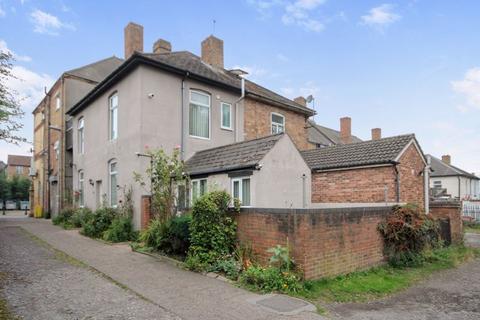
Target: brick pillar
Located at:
point(145, 214)
point(133, 34)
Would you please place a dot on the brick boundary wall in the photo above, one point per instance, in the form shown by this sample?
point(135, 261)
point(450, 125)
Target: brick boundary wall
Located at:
point(324, 242)
point(451, 210)
point(145, 212)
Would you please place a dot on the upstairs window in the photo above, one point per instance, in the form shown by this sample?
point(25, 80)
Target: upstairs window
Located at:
point(58, 102)
point(19, 170)
point(113, 116)
point(437, 184)
point(226, 116)
point(199, 188)
point(241, 191)
point(81, 136)
point(278, 123)
point(199, 115)
point(112, 170)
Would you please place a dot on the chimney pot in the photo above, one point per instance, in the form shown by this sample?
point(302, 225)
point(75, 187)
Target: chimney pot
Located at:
point(376, 133)
point(301, 101)
point(212, 51)
point(446, 159)
point(346, 130)
point(162, 46)
point(133, 34)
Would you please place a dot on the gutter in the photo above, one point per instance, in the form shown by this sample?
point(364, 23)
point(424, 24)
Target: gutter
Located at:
point(225, 170)
point(354, 167)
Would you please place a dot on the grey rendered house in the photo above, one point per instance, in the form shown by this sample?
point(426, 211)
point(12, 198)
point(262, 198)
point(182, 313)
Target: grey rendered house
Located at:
point(178, 100)
point(447, 180)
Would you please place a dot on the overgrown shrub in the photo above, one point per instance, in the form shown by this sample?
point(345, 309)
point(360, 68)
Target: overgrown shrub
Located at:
point(171, 236)
point(120, 230)
point(212, 230)
point(407, 232)
point(271, 279)
point(281, 258)
point(97, 223)
point(230, 267)
point(80, 216)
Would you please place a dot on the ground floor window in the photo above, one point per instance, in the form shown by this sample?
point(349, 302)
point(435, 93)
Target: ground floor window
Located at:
point(241, 191)
point(113, 183)
point(81, 187)
point(199, 188)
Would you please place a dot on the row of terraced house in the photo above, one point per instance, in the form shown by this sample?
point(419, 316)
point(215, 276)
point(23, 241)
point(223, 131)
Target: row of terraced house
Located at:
point(233, 134)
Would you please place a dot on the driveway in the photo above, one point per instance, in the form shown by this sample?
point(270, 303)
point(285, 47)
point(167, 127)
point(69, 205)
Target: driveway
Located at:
point(154, 286)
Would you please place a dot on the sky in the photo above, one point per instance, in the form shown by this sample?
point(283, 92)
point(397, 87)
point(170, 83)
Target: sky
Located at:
point(404, 66)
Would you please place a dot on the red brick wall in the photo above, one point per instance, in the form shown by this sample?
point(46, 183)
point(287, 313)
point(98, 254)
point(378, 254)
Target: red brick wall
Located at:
point(257, 123)
point(453, 212)
point(145, 212)
point(323, 242)
point(358, 185)
point(368, 184)
point(411, 178)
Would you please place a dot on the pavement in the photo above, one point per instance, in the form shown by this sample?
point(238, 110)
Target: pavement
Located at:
point(177, 292)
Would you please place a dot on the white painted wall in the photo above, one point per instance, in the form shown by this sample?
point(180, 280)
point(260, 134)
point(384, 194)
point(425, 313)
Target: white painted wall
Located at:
point(458, 186)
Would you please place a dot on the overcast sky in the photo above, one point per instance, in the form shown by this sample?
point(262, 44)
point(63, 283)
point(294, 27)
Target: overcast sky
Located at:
point(404, 66)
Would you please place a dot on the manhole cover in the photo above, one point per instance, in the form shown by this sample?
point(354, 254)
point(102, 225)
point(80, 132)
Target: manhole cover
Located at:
point(283, 304)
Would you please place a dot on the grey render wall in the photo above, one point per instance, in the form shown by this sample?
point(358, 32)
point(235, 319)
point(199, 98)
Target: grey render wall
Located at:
point(278, 184)
point(144, 123)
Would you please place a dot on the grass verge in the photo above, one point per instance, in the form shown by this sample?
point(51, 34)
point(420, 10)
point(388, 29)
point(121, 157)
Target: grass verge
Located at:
point(471, 227)
point(382, 281)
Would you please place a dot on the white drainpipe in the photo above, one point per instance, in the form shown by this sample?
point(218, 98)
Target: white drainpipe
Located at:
point(426, 177)
point(236, 109)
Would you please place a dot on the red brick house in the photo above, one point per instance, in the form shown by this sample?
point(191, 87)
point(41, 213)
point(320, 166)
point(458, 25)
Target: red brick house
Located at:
point(383, 171)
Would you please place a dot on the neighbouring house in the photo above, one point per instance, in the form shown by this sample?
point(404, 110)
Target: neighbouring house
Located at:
point(18, 165)
point(449, 181)
point(267, 172)
point(169, 99)
point(321, 136)
point(52, 135)
point(384, 171)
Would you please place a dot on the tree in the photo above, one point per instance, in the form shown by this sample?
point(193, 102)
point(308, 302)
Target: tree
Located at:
point(4, 187)
point(10, 110)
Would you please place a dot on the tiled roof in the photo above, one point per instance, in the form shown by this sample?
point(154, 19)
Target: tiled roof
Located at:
point(187, 61)
point(97, 71)
point(14, 160)
point(240, 155)
point(370, 152)
point(325, 136)
point(441, 169)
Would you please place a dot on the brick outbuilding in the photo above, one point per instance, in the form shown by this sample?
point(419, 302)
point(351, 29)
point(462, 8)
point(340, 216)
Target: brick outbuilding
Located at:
point(383, 171)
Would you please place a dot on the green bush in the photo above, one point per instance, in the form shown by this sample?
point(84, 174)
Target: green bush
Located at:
point(407, 232)
point(63, 218)
point(120, 230)
point(97, 223)
point(229, 267)
point(80, 216)
point(271, 279)
point(281, 258)
point(212, 230)
point(171, 237)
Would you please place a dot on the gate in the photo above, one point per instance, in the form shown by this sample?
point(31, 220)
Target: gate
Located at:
point(445, 231)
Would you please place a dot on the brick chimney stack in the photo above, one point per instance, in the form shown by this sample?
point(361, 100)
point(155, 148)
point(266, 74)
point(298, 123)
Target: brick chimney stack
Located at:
point(162, 46)
point(133, 35)
point(376, 133)
point(346, 130)
point(301, 101)
point(212, 51)
point(446, 158)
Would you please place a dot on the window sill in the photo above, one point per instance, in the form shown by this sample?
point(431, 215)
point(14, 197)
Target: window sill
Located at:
point(197, 137)
point(226, 129)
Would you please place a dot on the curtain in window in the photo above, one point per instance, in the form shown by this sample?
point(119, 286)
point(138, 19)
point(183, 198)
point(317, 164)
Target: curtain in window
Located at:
point(246, 192)
point(199, 120)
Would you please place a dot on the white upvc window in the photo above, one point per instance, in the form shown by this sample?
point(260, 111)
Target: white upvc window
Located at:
point(199, 115)
point(19, 170)
point(437, 184)
point(56, 147)
point(81, 189)
point(112, 181)
point(81, 135)
point(58, 102)
point(199, 188)
point(241, 191)
point(278, 123)
point(226, 115)
point(113, 116)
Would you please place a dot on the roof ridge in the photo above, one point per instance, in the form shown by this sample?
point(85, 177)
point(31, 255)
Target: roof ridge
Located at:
point(93, 63)
point(238, 143)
